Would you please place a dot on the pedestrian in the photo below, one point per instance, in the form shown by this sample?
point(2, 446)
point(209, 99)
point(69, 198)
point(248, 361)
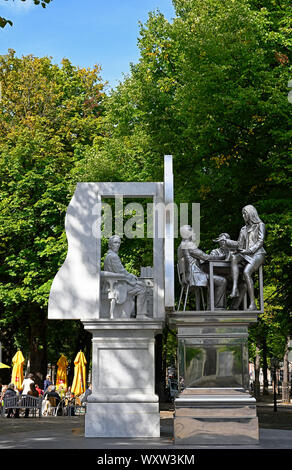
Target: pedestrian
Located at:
point(86, 394)
point(68, 393)
point(10, 393)
point(39, 390)
point(26, 384)
point(61, 391)
point(47, 383)
point(32, 392)
point(3, 390)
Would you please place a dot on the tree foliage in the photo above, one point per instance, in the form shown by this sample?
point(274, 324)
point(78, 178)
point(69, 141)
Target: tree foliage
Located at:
point(48, 114)
point(5, 21)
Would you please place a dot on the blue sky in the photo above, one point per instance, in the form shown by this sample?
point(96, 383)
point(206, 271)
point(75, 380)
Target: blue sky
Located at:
point(87, 32)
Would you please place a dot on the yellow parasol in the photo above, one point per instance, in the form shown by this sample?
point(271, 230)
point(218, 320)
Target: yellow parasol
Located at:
point(17, 371)
point(61, 380)
point(79, 380)
point(4, 366)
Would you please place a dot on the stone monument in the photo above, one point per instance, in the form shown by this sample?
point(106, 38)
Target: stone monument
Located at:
point(123, 402)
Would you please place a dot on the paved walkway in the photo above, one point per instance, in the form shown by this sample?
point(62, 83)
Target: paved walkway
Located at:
point(68, 433)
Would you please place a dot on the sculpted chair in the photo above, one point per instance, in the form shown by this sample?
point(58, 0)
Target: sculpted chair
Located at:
point(185, 286)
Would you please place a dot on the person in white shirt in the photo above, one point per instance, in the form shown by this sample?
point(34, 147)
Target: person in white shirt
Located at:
point(26, 384)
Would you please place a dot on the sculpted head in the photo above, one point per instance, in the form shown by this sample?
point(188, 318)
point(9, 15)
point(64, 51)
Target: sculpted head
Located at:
point(222, 239)
point(250, 215)
point(186, 232)
point(188, 237)
point(114, 243)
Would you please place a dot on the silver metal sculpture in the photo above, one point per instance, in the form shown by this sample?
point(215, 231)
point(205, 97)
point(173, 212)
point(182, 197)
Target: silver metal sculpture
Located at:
point(193, 257)
point(248, 252)
point(223, 252)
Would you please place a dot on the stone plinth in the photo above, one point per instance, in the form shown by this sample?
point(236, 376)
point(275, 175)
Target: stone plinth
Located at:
point(215, 406)
point(123, 401)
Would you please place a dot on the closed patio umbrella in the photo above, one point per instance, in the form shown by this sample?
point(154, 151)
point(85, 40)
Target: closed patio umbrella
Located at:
point(17, 371)
point(79, 380)
point(61, 380)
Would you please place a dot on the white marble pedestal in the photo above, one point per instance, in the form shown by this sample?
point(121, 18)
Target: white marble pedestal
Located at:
point(123, 401)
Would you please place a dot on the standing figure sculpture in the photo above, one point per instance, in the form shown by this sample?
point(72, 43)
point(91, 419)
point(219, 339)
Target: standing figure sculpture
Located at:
point(249, 252)
point(194, 257)
point(131, 287)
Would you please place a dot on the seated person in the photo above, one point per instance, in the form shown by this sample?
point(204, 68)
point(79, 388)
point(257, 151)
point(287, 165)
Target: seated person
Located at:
point(249, 252)
point(131, 286)
point(32, 392)
point(193, 257)
point(50, 393)
point(224, 253)
point(11, 392)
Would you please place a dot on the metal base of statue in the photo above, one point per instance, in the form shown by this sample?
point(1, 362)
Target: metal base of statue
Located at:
point(215, 406)
point(123, 402)
point(215, 417)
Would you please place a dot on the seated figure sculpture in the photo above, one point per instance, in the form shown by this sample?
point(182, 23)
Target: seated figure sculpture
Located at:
point(193, 257)
point(224, 253)
point(128, 287)
point(249, 252)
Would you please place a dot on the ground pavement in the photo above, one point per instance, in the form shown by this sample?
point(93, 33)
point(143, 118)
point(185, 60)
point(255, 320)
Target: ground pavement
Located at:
point(68, 432)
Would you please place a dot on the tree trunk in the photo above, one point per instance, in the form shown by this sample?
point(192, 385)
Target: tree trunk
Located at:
point(265, 368)
point(257, 386)
point(285, 383)
point(37, 363)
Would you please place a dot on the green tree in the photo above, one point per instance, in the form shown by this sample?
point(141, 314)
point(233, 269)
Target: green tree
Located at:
point(48, 115)
point(5, 21)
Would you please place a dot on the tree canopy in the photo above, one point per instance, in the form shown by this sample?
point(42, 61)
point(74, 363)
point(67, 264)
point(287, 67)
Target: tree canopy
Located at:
point(210, 88)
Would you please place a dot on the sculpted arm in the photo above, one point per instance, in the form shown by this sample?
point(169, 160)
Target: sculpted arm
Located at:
point(199, 254)
point(235, 245)
point(215, 255)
